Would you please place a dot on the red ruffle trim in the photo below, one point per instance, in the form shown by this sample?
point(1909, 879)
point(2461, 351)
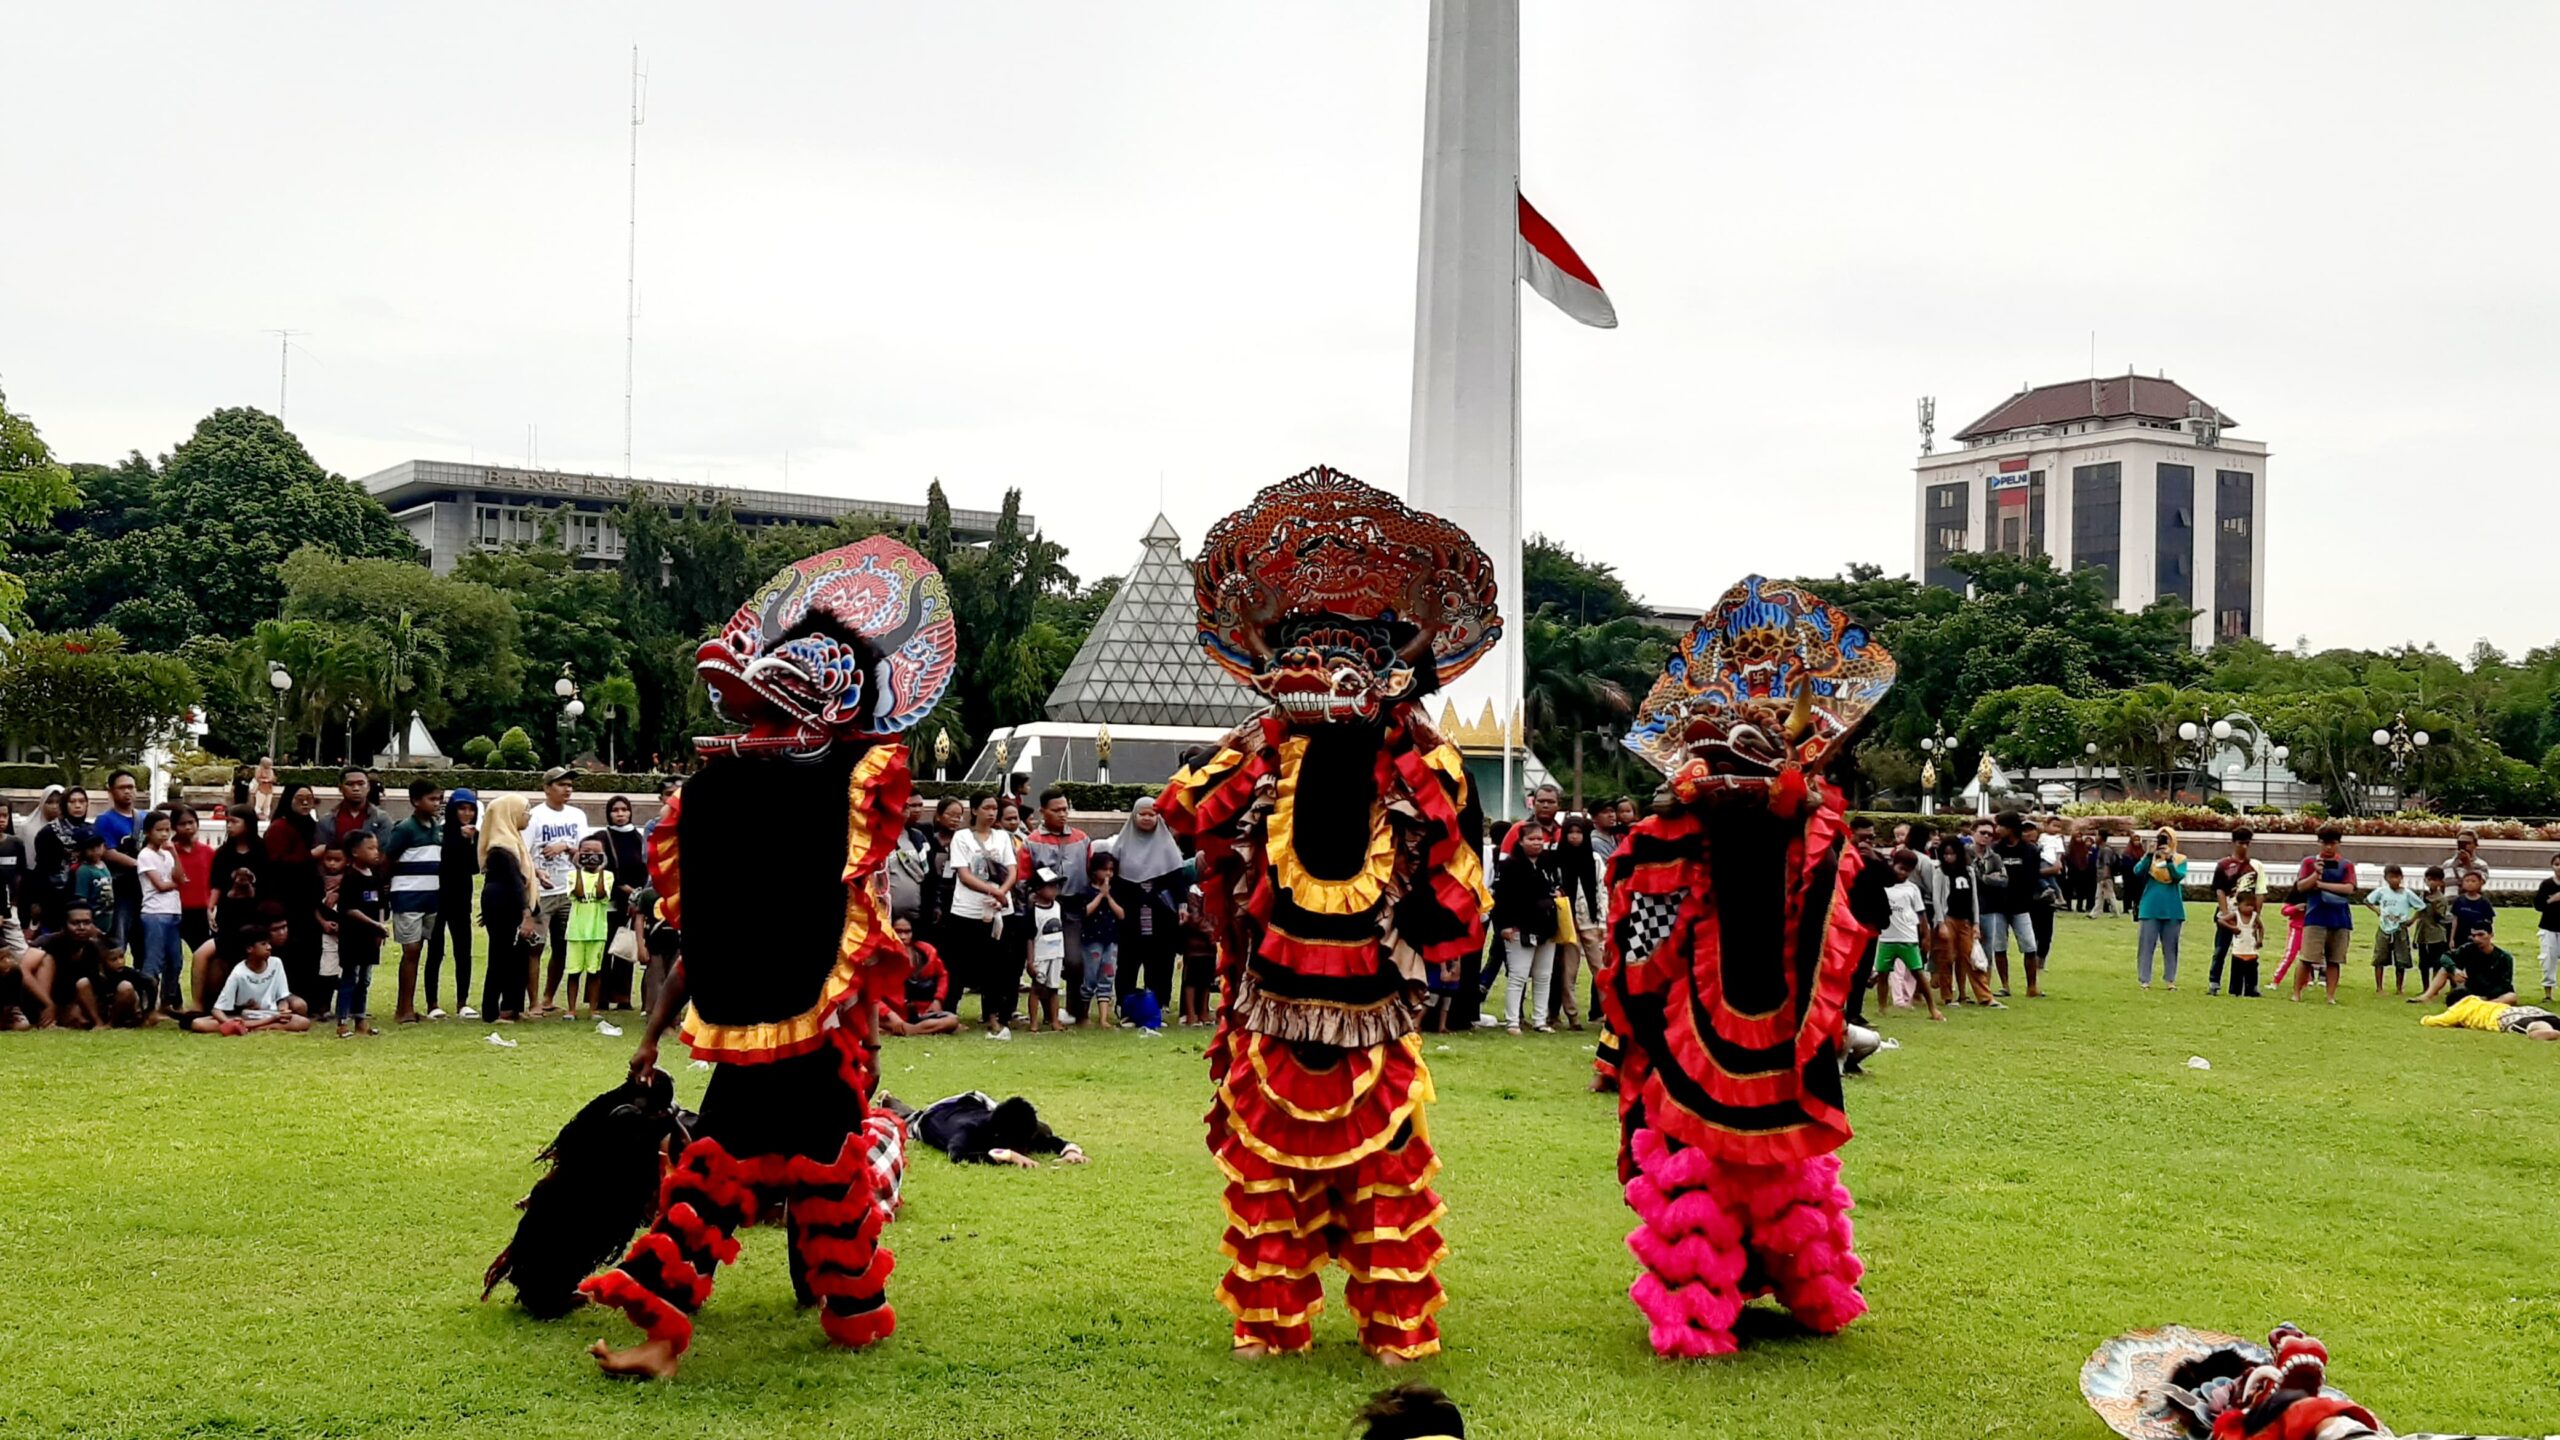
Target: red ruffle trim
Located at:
point(853, 1332)
point(1378, 1090)
point(656, 1318)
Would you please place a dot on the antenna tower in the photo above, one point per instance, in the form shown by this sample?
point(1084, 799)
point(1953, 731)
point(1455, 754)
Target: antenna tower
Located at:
point(284, 362)
point(1928, 424)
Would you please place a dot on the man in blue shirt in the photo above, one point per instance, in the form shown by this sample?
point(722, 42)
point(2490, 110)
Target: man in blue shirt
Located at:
point(415, 853)
point(118, 827)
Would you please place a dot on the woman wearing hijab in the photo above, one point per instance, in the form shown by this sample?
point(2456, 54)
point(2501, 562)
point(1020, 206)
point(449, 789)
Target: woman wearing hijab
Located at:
point(49, 843)
point(291, 879)
point(1152, 860)
point(456, 872)
point(506, 908)
point(626, 854)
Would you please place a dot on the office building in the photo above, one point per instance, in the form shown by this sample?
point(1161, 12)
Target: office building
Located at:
point(2130, 474)
point(452, 509)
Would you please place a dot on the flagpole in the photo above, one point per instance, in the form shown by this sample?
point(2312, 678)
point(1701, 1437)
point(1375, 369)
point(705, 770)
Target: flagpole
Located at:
point(1514, 672)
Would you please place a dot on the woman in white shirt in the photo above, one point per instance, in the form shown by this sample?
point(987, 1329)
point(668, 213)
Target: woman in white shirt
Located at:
point(982, 862)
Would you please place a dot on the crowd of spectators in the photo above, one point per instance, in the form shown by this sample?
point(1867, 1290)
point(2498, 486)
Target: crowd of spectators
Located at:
point(112, 916)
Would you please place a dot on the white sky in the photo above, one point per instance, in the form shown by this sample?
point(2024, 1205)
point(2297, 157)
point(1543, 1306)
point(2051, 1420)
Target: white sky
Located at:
point(1090, 249)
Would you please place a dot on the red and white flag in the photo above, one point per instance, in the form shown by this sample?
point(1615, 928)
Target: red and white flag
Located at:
point(1554, 271)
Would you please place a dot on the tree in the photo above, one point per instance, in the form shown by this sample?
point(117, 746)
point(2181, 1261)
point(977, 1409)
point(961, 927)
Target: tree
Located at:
point(995, 596)
point(32, 487)
point(2030, 725)
point(82, 697)
point(1578, 679)
point(515, 749)
point(615, 702)
point(1555, 578)
point(445, 640)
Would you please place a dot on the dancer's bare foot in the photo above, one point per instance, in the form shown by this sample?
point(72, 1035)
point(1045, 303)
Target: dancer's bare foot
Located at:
point(1251, 1352)
point(1390, 1359)
point(648, 1360)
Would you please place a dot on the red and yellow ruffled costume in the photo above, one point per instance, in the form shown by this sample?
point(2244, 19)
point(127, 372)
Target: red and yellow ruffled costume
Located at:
point(1736, 923)
point(787, 947)
point(1338, 850)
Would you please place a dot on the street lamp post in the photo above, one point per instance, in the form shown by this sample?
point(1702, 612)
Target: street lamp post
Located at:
point(2088, 770)
point(1933, 748)
point(280, 681)
point(2401, 745)
point(571, 707)
point(2267, 776)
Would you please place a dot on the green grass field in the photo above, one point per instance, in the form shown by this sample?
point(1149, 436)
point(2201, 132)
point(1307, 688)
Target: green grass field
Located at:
point(284, 1237)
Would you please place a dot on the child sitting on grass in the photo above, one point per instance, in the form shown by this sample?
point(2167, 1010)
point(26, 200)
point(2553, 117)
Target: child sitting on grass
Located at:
point(1045, 953)
point(253, 997)
point(2248, 941)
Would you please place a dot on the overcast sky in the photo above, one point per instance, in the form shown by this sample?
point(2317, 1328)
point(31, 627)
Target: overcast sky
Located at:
point(1106, 250)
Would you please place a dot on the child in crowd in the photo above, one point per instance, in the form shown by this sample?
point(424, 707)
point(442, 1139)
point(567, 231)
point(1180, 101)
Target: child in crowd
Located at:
point(2546, 901)
point(91, 884)
point(1957, 935)
point(2248, 941)
point(925, 1008)
point(2432, 928)
point(590, 927)
point(332, 974)
point(2293, 914)
point(361, 931)
point(253, 997)
point(164, 949)
point(2472, 910)
point(2394, 904)
point(1899, 945)
point(1045, 957)
point(195, 877)
point(1104, 910)
point(1200, 968)
point(126, 997)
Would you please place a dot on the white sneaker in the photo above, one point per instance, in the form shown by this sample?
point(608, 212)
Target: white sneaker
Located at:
point(1486, 1022)
point(501, 1041)
point(1146, 1034)
point(470, 1014)
point(608, 1030)
point(1004, 1034)
point(437, 1013)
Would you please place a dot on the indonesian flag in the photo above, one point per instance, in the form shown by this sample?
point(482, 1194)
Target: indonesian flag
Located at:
point(1554, 271)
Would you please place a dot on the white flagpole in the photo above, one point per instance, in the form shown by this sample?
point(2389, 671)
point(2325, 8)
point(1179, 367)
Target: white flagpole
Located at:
point(1465, 457)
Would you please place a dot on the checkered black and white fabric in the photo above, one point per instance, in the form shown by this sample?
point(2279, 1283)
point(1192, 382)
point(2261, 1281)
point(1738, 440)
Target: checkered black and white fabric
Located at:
point(1648, 923)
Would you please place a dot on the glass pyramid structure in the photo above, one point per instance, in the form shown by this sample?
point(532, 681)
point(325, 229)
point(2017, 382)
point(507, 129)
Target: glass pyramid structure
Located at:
point(1143, 664)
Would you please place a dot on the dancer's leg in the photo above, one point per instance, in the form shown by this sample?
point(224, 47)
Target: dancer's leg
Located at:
point(1690, 1247)
point(1392, 1248)
point(1805, 1247)
point(1276, 1223)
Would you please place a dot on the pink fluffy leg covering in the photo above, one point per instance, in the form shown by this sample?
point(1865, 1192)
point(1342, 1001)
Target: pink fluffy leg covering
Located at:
point(1706, 1221)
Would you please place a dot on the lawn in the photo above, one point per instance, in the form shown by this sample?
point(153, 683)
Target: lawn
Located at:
point(285, 1236)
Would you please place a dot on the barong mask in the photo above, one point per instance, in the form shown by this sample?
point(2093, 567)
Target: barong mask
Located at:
point(1337, 601)
point(1765, 689)
point(856, 643)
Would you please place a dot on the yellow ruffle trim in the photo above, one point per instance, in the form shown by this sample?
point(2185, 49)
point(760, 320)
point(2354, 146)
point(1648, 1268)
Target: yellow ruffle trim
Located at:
point(1357, 895)
point(865, 918)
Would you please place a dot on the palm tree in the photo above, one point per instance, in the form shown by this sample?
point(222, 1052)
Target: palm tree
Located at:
point(617, 702)
point(1581, 677)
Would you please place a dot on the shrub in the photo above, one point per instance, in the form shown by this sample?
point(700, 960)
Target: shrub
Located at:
point(479, 750)
point(515, 750)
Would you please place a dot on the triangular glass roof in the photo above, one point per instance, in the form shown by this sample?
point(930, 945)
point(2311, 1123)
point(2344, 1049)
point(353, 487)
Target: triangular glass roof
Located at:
point(1142, 664)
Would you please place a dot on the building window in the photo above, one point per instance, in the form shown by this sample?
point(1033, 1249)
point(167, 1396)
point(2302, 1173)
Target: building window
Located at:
point(2235, 558)
point(2174, 535)
point(1945, 533)
point(2013, 513)
point(2097, 520)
